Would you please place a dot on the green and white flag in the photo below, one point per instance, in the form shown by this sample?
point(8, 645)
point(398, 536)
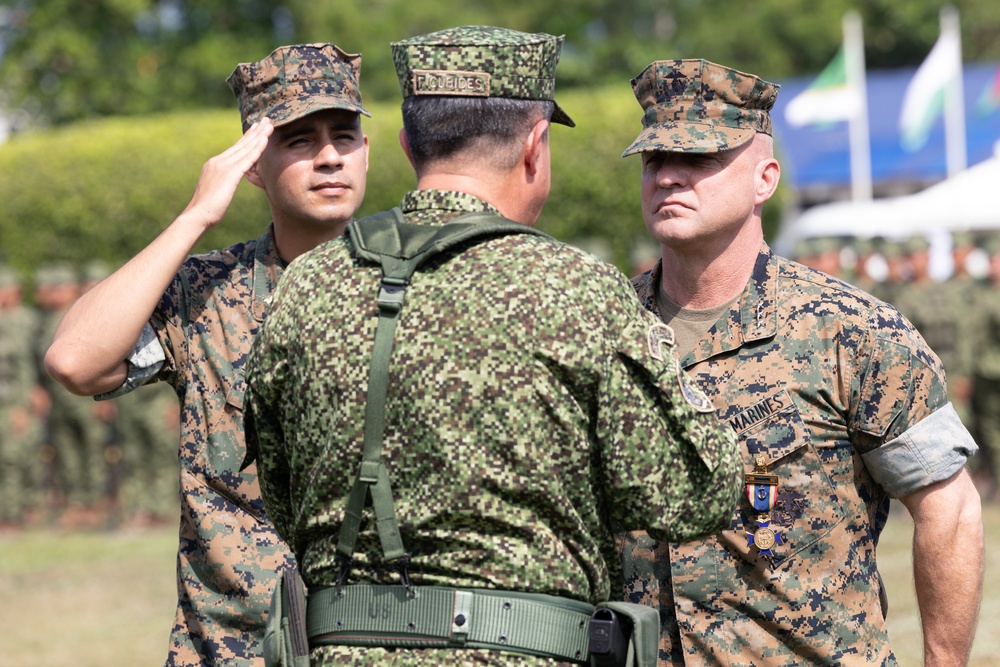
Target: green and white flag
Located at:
point(924, 100)
point(829, 99)
point(839, 94)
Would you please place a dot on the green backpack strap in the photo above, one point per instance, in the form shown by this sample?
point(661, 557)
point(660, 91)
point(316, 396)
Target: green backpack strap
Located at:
point(400, 249)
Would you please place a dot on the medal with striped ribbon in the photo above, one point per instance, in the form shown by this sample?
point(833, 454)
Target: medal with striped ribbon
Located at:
point(762, 492)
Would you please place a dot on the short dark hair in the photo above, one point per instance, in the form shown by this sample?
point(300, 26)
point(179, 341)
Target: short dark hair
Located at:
point(439, 128)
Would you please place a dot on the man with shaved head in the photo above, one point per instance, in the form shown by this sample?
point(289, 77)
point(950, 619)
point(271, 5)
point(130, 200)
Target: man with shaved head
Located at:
point(838, 404)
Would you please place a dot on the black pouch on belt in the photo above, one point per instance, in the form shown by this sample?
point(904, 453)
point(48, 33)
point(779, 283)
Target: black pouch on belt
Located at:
point(624, 634)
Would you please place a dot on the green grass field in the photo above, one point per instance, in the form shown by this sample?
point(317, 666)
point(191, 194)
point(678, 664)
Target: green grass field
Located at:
point(107, 599)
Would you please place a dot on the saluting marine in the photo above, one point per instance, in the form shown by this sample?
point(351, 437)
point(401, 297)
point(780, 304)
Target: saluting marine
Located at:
point(188, 320)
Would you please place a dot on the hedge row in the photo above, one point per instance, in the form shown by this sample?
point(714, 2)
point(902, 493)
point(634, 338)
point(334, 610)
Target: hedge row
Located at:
point(104, 189)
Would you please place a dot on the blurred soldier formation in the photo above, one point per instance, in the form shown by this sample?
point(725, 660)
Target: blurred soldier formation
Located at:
point(948, 289)
point(69, 461)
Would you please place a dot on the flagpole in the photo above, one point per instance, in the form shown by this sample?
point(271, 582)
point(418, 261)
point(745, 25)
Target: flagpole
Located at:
point(858, 136)
point(954, 104)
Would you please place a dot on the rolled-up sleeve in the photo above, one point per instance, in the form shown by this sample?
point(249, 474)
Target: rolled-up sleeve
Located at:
point(931, 450)
point(144, 362)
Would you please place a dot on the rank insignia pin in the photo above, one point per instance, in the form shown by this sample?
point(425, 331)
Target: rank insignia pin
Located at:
point(765, 538)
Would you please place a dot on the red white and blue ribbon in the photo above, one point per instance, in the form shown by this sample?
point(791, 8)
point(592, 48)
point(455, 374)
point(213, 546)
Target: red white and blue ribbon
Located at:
point(762, 492)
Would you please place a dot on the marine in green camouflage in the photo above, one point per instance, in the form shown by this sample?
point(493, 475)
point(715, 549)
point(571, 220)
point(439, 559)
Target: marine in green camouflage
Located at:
point(942, 313)
point(147, 426)
point(897, 271)
point(821, 253)
point(966, 254)
point(531, 399)
point(838, 405)
point(985, 309)
point(526, 407)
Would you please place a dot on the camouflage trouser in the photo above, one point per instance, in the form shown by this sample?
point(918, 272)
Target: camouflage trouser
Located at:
point(986, 411)
point(20, 468)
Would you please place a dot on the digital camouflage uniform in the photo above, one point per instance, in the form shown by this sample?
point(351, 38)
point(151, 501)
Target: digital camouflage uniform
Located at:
point(830, 391)
point(198, 340)
point(524, 410)
point(530, 400)
point(229, 554)
point(20, 462)
point(839, 393)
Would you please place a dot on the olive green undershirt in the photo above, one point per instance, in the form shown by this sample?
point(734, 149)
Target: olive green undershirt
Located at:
point(689, 325)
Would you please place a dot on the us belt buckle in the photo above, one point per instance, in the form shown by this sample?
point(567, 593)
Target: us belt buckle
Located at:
point(762, 492)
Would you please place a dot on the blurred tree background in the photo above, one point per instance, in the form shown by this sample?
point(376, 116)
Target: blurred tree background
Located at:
point(112, 105)
point(66, 60)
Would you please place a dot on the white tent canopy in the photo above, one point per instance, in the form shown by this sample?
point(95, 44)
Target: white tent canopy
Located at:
point(968, 200)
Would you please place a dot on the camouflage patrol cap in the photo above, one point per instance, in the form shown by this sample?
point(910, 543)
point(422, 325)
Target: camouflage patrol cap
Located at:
point(696, 106)
point(294, 81)
point(95, 270)
point(963, 237)
point(917, 243)
point(864, 245)
point(481, 61)
point(825, 244)
point(55, 274)
point(891, 248)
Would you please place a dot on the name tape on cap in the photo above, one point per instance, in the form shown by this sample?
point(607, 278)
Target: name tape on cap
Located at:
point(451, 82)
